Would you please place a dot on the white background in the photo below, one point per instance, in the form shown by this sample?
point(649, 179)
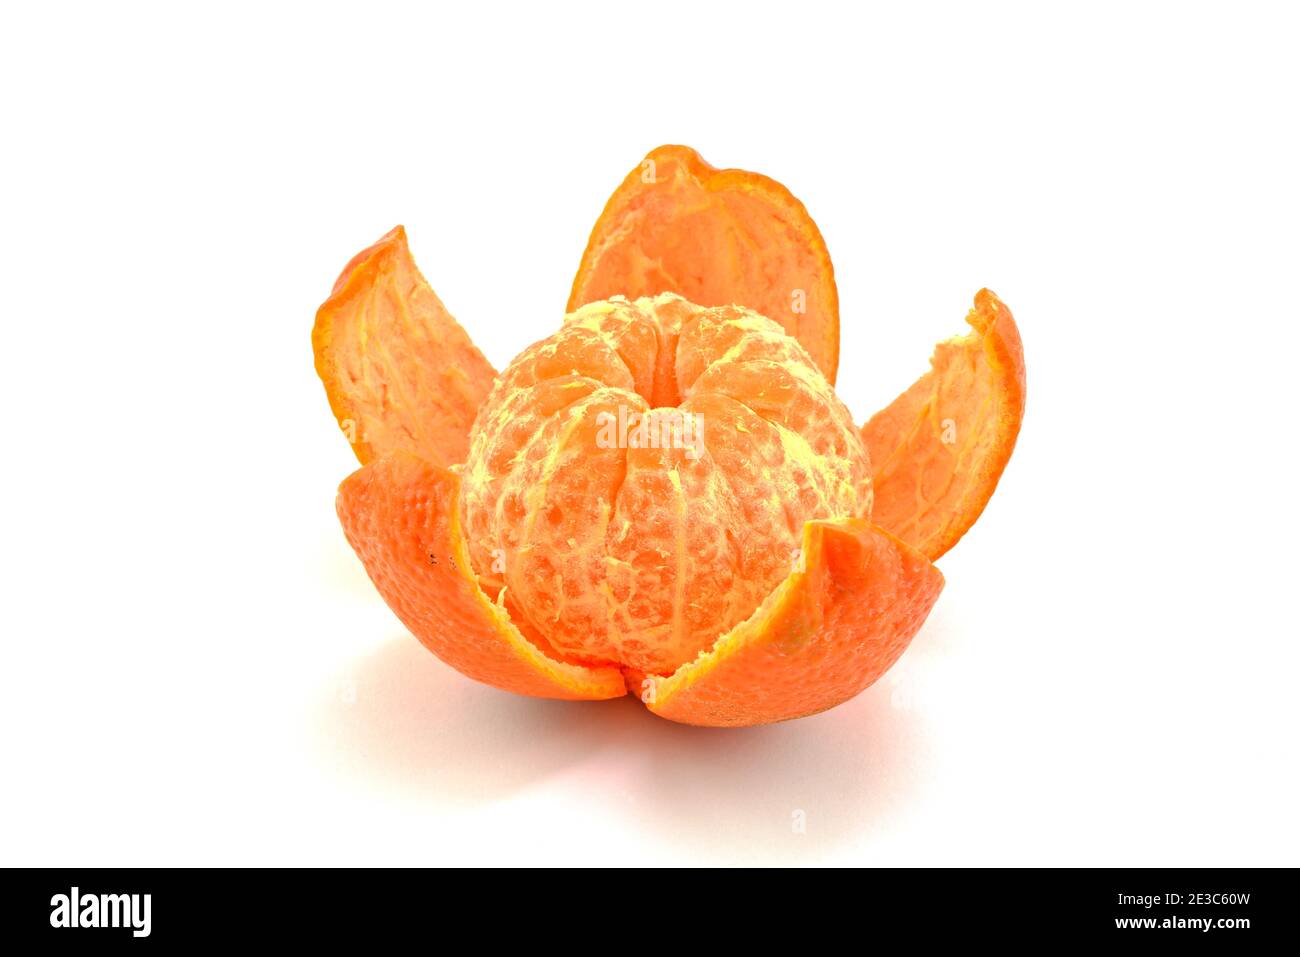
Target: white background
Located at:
point(196, 669)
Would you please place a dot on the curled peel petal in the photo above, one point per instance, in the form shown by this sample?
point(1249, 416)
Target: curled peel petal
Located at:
point(718, 238)
point(826, 633)
point(400, 373)
point(400, 515)
point(938, 450)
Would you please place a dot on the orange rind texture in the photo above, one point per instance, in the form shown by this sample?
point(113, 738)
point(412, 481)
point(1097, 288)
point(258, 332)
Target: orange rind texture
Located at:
point(401, 516)
point(826, 633)
point(717, 237)
point(939, 449)
point(399, 371)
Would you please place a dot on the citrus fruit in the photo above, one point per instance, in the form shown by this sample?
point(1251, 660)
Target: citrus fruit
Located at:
point(643, 476)
point(665, 496)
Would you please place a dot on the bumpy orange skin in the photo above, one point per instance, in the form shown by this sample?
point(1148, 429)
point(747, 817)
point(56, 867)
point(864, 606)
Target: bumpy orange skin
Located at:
point(717, 237)
point(939, 449)
point(643, 556)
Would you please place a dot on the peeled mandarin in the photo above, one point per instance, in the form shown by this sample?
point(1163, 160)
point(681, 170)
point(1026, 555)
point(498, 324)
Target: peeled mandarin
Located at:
point(638, 482)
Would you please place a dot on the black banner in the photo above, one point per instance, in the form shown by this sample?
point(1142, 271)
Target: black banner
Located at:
point(1231, 908)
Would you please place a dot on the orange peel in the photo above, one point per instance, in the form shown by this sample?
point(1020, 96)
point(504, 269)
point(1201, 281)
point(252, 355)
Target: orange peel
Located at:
point(717, 237)
point(400, 515)
point(776, 573)
point(400, 373)
point(939, 449)
point(823, 635)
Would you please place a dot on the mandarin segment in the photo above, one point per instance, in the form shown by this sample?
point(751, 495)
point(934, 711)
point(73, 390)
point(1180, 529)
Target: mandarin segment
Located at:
point(939, 449)
point(718, 238)
point(669, 557)
point(635, 534)
point(401, 516)
point(827, 632)
point(400, 373)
